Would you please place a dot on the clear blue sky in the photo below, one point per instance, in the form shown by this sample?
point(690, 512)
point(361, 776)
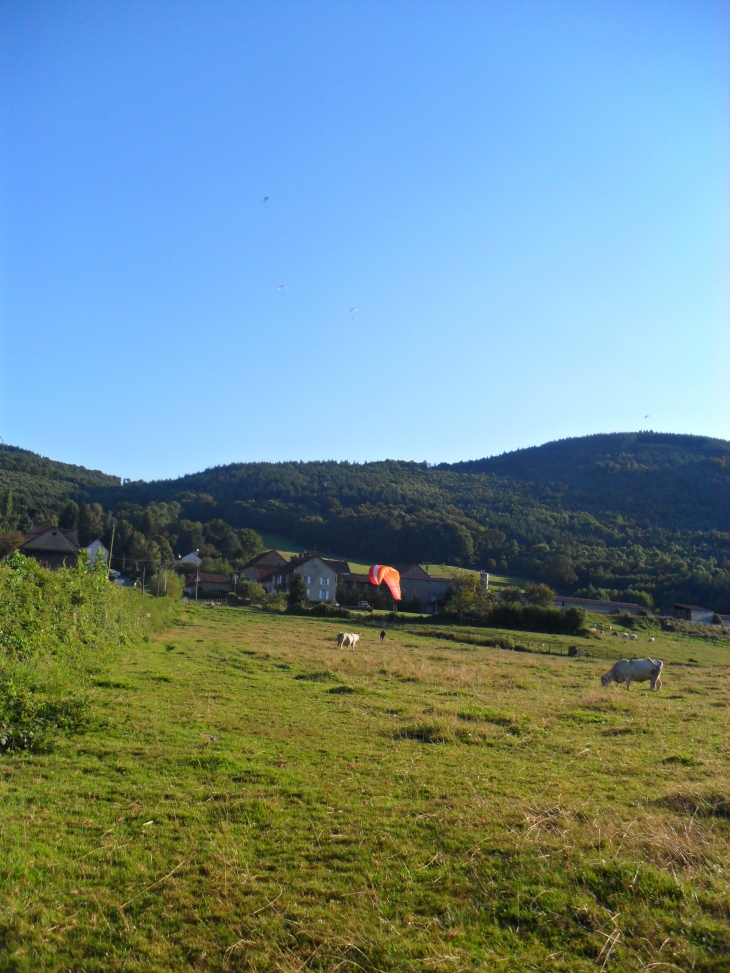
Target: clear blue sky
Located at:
point(528, 203)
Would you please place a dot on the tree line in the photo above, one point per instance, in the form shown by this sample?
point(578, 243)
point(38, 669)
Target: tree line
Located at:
point(639, 517)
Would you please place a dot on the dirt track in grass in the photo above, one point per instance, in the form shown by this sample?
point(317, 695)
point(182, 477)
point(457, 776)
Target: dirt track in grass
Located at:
point(251, 798)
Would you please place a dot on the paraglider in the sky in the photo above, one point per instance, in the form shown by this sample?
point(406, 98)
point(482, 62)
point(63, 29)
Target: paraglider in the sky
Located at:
point(381, 572)
point(282, 288)
point(353, 310)
point(647, 417)
point(266, 199)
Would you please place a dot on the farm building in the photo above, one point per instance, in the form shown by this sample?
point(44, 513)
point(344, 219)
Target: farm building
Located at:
point(694, 613)
point(416, 585)
point(598, 607)
point(53, 547)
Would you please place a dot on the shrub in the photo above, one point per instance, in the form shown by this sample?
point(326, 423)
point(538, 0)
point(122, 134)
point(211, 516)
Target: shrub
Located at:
point(166, 584)
point(53, 627)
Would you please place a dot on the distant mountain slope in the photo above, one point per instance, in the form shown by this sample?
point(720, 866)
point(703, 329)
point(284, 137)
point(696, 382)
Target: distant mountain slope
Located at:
point(669, 480)
point(41, 486)
point(630, 515)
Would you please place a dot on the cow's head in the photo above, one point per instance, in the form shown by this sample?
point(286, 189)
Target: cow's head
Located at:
point(607, 679)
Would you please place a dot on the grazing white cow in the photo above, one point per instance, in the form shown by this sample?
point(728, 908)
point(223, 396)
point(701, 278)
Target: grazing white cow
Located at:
point(637, 669)
point(652, 639)
point(340, 639)
point(633, 637)
point(347, 640)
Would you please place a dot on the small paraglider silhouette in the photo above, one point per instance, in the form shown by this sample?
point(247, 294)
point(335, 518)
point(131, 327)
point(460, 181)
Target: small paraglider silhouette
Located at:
point(647, 417)
point(266, 198)
point(353, 310)
point(282, 288)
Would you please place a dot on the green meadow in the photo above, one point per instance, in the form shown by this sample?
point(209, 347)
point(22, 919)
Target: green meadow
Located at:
point(248, 797)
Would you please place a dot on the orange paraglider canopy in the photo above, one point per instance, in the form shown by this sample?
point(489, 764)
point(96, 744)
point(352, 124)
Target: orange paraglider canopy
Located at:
point(381, 572)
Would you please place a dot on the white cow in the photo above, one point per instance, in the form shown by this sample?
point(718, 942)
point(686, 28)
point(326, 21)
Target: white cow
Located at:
point(340, 639)
point(347, 640)
point(652, 639)
point(633, 636)
point(637, 669)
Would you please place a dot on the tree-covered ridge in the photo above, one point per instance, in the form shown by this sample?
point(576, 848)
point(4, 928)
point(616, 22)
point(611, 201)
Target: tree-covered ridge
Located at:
point(635, 516)
point(34, 487)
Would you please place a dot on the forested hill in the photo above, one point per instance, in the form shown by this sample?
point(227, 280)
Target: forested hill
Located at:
point(678, 482)
point(632, 515)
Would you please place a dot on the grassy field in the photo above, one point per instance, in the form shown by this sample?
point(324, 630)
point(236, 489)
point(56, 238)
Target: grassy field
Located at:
point(250, 798)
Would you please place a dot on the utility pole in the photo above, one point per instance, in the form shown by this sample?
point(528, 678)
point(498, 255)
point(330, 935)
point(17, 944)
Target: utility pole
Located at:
point(144, 568)
point(111, 548)
point(197, 578)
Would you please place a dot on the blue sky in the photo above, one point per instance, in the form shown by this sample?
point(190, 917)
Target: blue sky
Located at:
point(527, 202)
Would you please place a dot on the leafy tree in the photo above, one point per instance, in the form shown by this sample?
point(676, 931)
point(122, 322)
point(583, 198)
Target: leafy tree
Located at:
point(511, 595)
point(467, 597)
point(10, 542)
point(7, 510)
point(70, 516)
point(560, 572)
point(251, 592)
point(250, 543)
point(91, 522)
point(297, 594)
point(539, 594)
point(165, 584)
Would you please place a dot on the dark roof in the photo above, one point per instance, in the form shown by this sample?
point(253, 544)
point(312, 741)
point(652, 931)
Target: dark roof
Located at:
point(412, 568)
point(598, 601)
point(341, 567)
point(299, 561)
point(356, 579)
point(213, 578)
point(69, 535)
point(255, 560)
point(694, 608)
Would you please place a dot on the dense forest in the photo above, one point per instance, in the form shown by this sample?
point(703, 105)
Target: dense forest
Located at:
point(634, 516)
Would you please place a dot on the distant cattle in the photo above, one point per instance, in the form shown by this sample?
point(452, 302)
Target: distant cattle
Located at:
point(347, 640)
point(652, 639)
point(633, 637)
point(640, 670)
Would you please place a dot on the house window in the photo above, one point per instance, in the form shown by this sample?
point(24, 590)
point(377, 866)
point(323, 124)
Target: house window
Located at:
point(306, 578)
point(324, 581)
point(324, 595)
point(278, 579)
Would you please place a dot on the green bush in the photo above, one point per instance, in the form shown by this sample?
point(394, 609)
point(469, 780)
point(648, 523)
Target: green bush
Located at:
point(54, 627)
point(166, 584)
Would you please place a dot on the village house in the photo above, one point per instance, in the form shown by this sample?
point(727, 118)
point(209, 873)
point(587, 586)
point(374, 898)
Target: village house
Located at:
point(319, 575)
point(53, 547)
point(262, 565)
point(97, 549)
